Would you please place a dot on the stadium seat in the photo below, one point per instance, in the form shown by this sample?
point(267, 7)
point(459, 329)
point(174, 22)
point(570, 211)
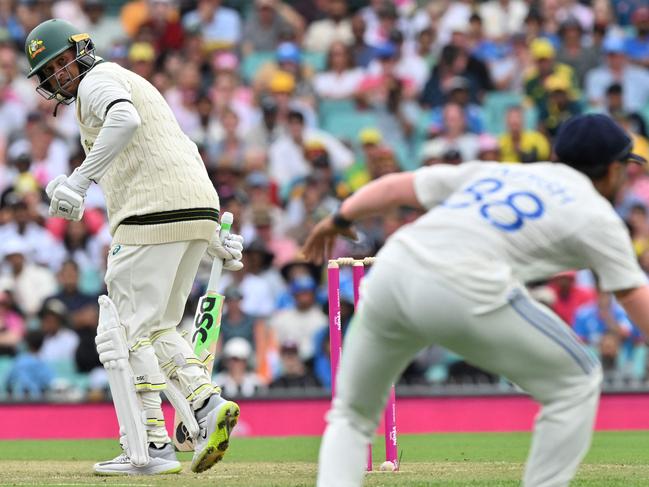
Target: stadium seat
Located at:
point(347, 125)
point(316, 60)
point(327, 108)
point(645, 114)
point(67, 369)
point(639, 362)
point(253, 62)
point(495, 106)
point(5, 367)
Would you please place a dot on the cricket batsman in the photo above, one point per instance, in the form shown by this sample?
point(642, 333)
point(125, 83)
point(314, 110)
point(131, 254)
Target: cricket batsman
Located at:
point(163, 214)
point(455, 277)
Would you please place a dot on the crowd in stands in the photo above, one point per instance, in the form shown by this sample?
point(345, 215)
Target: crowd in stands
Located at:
point(294, 104)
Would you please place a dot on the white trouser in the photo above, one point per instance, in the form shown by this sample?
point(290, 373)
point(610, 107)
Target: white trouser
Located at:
point(400, 313)
point(149, 285)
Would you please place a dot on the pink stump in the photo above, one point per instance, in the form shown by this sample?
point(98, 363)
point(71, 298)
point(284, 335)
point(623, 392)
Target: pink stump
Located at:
point(335, 330)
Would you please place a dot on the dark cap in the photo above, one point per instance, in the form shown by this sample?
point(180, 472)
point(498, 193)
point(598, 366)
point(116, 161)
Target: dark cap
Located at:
point(592, 140)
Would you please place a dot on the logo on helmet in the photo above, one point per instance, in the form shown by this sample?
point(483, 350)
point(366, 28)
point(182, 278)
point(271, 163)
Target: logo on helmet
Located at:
point(35, 47)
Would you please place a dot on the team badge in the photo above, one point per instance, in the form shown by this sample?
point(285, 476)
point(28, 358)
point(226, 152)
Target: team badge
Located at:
point(35, 47)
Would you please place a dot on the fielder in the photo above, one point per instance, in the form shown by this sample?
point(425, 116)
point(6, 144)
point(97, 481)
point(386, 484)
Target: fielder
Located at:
point(163, 215)
point(455, 277)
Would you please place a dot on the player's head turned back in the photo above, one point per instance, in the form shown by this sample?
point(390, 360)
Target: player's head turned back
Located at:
point(59, 54)
point(591, 143)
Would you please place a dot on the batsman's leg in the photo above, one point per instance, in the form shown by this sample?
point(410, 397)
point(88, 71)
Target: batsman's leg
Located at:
point(216, 416)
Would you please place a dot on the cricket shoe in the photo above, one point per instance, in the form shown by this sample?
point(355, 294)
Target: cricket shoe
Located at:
point(161, 461)
point(216, 419)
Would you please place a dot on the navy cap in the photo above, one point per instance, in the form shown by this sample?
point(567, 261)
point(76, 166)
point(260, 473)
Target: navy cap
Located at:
point(592, 140)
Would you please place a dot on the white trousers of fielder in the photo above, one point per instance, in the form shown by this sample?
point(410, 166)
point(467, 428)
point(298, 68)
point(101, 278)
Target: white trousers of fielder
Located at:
point(404, 310)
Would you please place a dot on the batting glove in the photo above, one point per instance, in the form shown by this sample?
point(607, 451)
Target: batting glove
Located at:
point(229, 250)
point(67, 195)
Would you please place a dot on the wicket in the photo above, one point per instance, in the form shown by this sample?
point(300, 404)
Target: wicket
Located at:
point(335, 340)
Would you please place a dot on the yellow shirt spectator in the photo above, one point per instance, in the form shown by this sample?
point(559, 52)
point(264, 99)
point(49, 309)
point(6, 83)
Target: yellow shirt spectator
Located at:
point(533, 146)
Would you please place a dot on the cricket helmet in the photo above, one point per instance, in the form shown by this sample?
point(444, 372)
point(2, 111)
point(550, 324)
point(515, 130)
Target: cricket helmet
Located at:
point(46, 42)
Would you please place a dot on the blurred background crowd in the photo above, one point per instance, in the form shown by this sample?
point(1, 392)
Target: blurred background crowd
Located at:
point(295, 104)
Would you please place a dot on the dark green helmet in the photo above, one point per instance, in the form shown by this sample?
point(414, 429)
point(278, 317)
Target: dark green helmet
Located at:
point(49, 40)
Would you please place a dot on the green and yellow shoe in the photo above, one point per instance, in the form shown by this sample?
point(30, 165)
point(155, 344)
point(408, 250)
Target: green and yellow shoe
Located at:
point(216, 421)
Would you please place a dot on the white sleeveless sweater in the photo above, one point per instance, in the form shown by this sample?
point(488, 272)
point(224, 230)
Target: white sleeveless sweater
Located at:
point(157, 189)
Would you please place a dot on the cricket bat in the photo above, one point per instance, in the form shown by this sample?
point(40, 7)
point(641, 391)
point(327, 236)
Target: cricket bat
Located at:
point(205, 332)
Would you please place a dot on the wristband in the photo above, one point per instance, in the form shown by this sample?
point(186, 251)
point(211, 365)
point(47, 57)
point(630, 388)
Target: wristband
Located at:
point(340, 221)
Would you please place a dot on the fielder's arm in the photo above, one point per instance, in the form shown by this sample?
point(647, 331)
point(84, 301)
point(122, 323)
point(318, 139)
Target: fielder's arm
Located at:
point(636, 303)
point(392, 190)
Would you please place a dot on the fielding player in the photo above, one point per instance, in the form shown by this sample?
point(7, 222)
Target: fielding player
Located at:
point(163, 215)
point(455, 277)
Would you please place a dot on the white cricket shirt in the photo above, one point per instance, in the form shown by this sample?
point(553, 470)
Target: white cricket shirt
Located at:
point(491, 226)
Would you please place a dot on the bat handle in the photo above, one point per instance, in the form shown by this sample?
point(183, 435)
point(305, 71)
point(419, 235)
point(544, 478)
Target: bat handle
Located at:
point(217, 266)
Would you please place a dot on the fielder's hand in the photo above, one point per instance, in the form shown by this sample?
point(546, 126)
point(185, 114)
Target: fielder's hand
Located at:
point(320, 242)
point(67, 196)
point(229, 250)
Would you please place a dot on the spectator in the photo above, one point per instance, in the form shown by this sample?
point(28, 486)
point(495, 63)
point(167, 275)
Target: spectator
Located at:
point(638, 222)
point(30, 377)
point(545, 65)
point(294, 373)
point(39, 246)
point(573, 52)
point(488, 148)
point(614, 107)
point(60, 342)
point(17, 89)
point(569, 296)
point(362, 52)
point(453, 62)
point(29, 284)
point(237, 323)
point(605, 316)
point(382, 163)
point(257, 281)
point(520, 145)
point(267, 130)
point(336, 27)
point(637, 47)
point(19, 178)
point(286, 158)
point(262, 29)
point(230, 147)
point(341, 78)
point(162, 28)
point(432, 152)
point(370, 140)
point(50, 153)
point(220, 26)
point(469, 65)
point(282, 87)
point(106, 29)
point(457, 90)
point(508, 71)
point(410, 66)
point(12, 325)
point(236, 380)
point(13, 110)
point(301, 323)
point(503, 17)
point(559, 106)
point(456, 136)
point(616, 69)
point(81, 308)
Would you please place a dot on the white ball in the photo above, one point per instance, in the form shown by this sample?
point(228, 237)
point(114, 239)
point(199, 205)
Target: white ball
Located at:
point(388, 466)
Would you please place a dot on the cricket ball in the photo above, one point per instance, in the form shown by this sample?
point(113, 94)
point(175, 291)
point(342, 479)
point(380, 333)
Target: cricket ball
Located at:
point(388, 466)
